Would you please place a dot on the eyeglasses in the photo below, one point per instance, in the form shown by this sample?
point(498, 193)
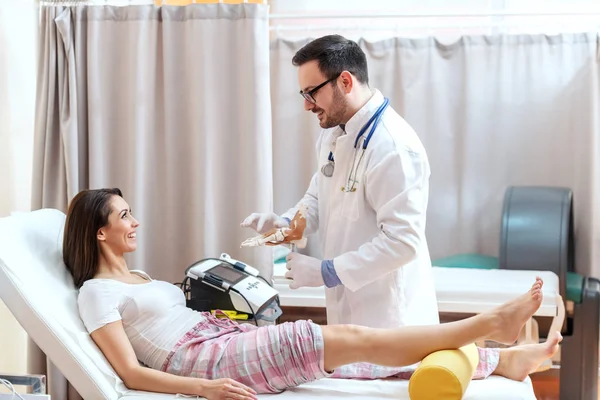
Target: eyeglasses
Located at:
point(309, 96)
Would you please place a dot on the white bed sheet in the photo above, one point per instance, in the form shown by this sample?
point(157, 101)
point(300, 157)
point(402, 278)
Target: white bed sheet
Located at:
point(38, 290)
point(476, 290)
point(460, 290)
point(493, 388)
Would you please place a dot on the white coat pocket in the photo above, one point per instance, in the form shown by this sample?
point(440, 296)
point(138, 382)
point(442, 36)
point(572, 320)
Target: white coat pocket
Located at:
point(350, 205)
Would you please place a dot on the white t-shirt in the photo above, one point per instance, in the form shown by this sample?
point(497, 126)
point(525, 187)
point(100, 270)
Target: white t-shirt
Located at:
point(154, 314)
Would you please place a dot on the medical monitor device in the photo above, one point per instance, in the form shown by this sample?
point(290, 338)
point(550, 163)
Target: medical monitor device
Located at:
point(227, 284)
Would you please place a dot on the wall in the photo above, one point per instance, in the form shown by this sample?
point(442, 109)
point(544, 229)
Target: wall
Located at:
point(18, 37)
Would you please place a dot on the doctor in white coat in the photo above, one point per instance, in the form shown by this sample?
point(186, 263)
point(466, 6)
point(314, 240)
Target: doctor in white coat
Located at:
point(367, 200)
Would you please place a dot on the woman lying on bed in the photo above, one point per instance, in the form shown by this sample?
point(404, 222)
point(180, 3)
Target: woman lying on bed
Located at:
point(132, 317)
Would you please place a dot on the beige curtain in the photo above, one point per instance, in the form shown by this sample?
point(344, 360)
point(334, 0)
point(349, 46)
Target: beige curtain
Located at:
point(491, 112)
point(172, 106)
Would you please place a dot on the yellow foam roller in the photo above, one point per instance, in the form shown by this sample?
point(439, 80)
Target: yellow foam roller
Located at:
point(444, 374)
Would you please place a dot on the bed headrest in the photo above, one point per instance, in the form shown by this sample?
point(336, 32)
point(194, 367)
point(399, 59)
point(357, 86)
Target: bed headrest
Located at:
point(30, 248)
point(39, 291)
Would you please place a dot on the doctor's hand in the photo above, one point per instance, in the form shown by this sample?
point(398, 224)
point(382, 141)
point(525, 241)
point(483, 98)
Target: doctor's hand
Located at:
point(304, 271)
point(264, 222)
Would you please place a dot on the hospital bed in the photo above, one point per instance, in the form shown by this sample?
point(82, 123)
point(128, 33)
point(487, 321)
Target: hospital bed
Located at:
point(536, 239)
point(38, 290)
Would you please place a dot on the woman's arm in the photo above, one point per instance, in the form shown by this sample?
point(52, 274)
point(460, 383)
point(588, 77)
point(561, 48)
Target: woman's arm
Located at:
point(114, 344)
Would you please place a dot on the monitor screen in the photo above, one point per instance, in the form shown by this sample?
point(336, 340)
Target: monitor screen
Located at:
point(226, 273)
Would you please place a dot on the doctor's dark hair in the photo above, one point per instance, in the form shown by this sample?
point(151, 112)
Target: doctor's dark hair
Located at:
point(88, 212)
point(335, 54)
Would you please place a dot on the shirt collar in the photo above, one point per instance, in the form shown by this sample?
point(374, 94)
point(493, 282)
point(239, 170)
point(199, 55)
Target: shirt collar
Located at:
point(356, 122)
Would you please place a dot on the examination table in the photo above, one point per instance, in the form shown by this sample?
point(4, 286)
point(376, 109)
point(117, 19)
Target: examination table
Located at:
point(38, 290)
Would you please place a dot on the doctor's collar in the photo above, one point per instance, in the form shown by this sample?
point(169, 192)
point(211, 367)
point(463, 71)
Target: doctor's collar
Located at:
point(361, 116)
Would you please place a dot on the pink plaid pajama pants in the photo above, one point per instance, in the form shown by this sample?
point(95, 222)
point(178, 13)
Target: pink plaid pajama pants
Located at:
point(273, 358)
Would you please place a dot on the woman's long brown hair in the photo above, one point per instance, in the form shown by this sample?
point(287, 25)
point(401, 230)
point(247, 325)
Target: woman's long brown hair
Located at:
point(88, 212)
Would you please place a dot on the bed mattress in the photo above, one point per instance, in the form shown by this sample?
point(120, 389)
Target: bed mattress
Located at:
point(460, 290)
point(493, 388)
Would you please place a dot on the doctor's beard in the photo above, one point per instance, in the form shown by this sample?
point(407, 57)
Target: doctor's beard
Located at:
point(335, 116)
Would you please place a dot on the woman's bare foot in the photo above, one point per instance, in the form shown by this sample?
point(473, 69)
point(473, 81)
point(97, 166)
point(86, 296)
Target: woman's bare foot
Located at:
point(510, 317)
point(519, 361)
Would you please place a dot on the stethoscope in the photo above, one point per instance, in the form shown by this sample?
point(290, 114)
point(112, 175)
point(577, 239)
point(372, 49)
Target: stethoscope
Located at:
point(329, 167)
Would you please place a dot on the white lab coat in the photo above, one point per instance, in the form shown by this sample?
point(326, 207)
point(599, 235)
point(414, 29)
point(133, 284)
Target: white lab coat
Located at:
point(375, 235)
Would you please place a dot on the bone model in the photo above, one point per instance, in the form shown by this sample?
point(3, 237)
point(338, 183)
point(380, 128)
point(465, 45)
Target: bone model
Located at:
point(291, 235)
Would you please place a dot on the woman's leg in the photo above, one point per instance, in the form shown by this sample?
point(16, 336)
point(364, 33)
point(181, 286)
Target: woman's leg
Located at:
point(518, 362)
point(513, 363)
point(268, 359)
point(347, 344)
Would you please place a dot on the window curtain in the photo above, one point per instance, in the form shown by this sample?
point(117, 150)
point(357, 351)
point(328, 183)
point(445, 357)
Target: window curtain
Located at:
point(492, 111)
point(170, 104)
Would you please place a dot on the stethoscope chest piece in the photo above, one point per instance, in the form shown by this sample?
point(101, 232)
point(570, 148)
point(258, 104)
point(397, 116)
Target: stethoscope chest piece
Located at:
point(327, 169)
